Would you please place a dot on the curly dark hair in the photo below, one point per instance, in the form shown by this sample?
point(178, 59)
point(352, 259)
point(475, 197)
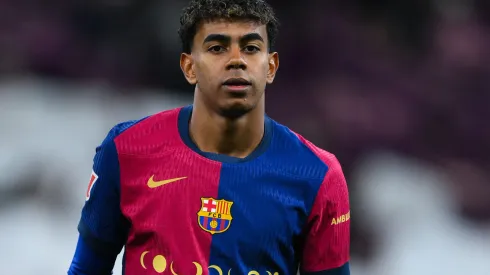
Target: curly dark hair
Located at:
point(199, 11)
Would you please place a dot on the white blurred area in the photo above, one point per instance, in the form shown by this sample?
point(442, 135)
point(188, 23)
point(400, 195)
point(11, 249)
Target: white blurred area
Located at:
point(408, 204)
point(49, 131)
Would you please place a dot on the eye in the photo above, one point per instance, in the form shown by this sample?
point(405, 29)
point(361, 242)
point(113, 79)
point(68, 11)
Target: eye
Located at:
point(216, 49)
point(251, 49)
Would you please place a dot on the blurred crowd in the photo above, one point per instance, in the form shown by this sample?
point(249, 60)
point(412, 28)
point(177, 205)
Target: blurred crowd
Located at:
point(398, 90)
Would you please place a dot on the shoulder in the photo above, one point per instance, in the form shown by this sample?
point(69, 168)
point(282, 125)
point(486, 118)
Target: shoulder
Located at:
point(120, 128)
point(133, 135)
point(301, 152)
point(327, 158)
point(144, 125)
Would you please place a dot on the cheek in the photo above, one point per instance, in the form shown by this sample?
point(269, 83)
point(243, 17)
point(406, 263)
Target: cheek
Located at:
point(201, 73)
point(206, 69)
point(265, 66)
point(263, 71)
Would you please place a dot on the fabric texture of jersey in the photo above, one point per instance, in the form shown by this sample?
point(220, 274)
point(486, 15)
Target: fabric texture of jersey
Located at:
point(178, 210)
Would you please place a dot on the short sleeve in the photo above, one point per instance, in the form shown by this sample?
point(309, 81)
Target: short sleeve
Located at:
point(327, 236)
point(102, 224)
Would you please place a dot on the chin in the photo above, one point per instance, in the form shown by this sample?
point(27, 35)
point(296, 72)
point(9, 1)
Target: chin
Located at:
point(236, 109)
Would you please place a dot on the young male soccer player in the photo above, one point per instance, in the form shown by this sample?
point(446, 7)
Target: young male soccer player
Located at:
point(216, 187)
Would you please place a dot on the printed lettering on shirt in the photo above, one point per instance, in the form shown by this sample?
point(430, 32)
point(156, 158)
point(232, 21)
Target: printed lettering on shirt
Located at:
point(341, 219)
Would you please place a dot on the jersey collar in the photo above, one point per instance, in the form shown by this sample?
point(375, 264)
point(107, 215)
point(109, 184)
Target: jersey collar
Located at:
point(183, 124)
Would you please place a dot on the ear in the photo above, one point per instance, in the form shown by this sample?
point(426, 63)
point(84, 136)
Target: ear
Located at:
point(273, 66)
point(187, 67)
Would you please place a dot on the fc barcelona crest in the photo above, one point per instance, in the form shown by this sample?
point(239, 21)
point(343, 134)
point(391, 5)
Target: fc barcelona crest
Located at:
point(215, 215)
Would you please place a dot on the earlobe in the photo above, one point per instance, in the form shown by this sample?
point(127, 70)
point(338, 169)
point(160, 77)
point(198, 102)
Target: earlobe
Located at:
point(187, 67)
point(273, 66)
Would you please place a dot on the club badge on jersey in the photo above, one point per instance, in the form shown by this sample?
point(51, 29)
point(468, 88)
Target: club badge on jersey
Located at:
point(215, 215)
point(93, 179)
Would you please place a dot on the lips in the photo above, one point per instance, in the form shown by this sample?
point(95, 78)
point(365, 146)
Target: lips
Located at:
point(236, 82)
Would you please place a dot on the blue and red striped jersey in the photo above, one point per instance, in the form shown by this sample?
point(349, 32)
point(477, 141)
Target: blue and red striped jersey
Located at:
point(178, 210)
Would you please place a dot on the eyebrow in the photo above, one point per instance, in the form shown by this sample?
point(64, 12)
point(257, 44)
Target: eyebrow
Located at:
point(226, 38)
point(251, 37)
point(217, 38)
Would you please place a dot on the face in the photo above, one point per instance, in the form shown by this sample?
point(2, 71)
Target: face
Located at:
point(230, 65)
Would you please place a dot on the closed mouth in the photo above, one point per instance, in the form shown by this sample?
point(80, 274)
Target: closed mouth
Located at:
point(236, 82)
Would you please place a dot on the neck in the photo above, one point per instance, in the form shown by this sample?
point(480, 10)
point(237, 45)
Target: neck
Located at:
point(214, 133)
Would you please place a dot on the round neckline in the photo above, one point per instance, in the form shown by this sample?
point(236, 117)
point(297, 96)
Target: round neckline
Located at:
point(183, 127)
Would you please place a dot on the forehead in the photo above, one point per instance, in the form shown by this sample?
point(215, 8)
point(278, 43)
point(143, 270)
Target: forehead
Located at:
point(233, 29)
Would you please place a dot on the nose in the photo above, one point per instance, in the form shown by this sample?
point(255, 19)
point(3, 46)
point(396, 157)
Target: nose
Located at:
point(236, 60)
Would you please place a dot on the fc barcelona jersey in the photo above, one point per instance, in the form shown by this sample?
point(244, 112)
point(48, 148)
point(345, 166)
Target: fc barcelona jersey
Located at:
point(178, 210)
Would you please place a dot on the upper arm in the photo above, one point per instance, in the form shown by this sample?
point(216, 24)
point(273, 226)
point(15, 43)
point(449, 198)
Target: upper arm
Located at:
point(102, 225)
point(327, 236)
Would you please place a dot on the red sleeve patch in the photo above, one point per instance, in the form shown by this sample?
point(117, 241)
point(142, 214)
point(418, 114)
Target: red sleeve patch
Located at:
point(93, 179)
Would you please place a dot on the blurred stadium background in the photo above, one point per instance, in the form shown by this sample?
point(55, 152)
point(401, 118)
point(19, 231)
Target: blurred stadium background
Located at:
point(398, 90)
